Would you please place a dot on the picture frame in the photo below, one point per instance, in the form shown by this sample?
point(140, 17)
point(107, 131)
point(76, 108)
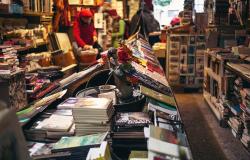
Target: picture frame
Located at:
point(174, 45)
point(183, 59)
point(183, 49)
point(174, 52)
point(191, 69)
point(183, 69)
point(192, 40)
point(191, 50)
point(191, 60)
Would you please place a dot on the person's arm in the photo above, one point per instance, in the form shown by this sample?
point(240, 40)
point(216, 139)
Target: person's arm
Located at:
point(121, 29)
point(76, 34)
point(94, 35)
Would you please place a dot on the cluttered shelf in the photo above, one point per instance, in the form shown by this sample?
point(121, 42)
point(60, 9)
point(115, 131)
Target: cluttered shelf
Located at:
point(70, 83)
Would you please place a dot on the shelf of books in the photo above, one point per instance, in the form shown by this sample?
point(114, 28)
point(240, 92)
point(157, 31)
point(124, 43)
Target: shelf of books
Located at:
point(185, 62)
point(105, 121)
point(217, 81)
point(239, 101)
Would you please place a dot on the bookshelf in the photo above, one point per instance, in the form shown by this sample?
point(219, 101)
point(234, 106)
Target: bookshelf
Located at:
point(217, 81)
point(239, 101)
point(184, 60)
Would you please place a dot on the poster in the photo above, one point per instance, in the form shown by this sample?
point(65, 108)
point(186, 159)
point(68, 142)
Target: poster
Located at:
point(98, 20)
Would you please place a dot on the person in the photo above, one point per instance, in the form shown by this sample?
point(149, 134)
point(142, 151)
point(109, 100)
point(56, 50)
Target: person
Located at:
point(175, 21)
point(145, 21)
point(84, 31)
point(118, 31)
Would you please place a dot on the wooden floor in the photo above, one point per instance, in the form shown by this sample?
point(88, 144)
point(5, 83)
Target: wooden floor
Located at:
point(208, 141)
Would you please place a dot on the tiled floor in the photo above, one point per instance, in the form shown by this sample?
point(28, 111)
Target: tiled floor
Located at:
point(208, 141)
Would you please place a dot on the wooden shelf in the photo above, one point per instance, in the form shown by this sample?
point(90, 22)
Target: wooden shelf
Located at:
point(212, 74)
point(240, 74)
point(26, 14)
point(213, 107)
point(22, 49)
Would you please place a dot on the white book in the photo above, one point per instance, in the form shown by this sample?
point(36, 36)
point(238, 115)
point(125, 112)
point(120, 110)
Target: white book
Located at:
point(57, 123)
point(170, 149)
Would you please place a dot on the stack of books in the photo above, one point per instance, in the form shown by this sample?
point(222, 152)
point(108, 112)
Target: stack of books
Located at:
point(43, 151)
point(50, 128)
point(238, 85)
point(78, 146)
point(91, 115)
point(236, 125)
point(245, 106)
point(166, 144)
point(127, 130)
point(8, 59)
point(245, 139)
point(245, 95)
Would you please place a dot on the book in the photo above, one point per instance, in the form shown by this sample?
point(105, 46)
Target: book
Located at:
point(43, 150)
point(168, 142)
point(110, 95)
point(63, 41)
point(168, 135)
point(57, 123)
point(58, 135)
point(153, 104)
point(132, 119)
point(138, 154)
point(69, 143)
point(85, 103)
point(103, 152)
point(157, 96)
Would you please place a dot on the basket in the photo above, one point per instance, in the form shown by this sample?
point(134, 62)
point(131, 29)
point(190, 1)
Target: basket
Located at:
point(87, 57)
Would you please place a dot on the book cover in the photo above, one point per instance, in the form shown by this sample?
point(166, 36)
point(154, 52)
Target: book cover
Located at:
point(43, 150)
point(169, 149)
point(153, 104)
point(132, 119)
point(157, 96)
point(169, 136)
point(57, 123)
point(81, 141)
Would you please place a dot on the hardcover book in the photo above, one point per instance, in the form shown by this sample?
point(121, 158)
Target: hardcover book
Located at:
point(153, 104)
point(157, 96)
point(68, 143)
point(132, 119)
point(57, 123)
